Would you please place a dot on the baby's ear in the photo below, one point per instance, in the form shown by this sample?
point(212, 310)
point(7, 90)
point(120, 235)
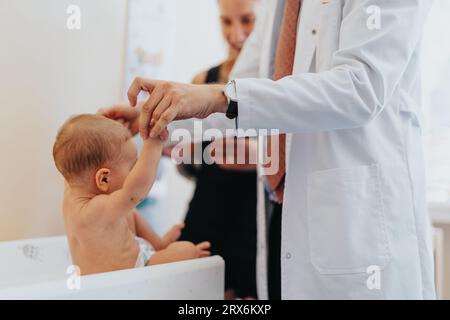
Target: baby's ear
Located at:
point(103, 179)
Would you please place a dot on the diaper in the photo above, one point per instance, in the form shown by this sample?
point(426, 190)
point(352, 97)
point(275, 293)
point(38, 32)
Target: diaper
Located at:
point(146, 251)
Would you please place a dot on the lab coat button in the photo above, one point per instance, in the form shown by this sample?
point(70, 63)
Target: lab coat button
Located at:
point(314, 32)
point(288, 255)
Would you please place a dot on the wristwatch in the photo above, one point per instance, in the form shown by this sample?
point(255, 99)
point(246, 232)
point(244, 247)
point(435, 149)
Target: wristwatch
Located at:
point(231, 94)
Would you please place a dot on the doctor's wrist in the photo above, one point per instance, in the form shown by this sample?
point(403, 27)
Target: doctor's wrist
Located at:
point(219, 102)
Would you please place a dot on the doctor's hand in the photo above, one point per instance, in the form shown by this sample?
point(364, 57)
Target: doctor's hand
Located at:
point(174, 101)
point(124, 114)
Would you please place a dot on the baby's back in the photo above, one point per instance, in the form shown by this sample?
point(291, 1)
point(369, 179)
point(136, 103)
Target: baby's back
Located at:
point(96, 247)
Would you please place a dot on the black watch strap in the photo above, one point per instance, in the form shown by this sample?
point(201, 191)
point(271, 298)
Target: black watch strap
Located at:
point(232, 111)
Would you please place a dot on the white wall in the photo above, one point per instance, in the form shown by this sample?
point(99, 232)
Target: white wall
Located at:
point(48, 73)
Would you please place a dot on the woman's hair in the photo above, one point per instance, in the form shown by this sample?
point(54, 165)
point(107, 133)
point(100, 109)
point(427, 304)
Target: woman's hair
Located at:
point(86, 142)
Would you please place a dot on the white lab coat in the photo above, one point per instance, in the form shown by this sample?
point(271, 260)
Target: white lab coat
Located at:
point(354, 201)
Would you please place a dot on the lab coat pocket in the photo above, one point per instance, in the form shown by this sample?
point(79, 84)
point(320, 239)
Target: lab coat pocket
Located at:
point(347, 232)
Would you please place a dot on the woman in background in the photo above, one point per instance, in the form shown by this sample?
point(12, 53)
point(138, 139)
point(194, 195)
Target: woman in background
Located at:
point(230, 226)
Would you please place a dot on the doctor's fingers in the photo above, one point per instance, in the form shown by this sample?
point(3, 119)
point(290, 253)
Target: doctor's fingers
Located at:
point(165, 103)
point(147, 120)
point(166, 118)
point(165, 113)
point(156, 98)
point(138, 85)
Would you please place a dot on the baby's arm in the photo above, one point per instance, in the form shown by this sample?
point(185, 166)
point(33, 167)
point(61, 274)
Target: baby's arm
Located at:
point(143, 230)
point(180, 250)
point(138, 182)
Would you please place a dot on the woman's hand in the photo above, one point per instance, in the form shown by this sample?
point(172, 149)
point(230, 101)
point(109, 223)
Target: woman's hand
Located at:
point(124, 114)
point(174, 101)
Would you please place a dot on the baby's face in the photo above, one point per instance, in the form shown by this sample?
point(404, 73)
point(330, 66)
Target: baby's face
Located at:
point(122, 168)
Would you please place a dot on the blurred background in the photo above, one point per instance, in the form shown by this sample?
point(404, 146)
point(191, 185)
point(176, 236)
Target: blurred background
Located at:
point(49, 72)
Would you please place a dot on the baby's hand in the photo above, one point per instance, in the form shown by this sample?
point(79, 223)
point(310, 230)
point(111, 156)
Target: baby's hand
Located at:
point(162, 138)
point(202, 249)
point(158, 142)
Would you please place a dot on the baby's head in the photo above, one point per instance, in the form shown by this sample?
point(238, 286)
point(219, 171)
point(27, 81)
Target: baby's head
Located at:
point(94, 152)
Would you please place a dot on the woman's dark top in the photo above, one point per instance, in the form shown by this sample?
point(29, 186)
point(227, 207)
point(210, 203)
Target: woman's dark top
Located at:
point(223, 211)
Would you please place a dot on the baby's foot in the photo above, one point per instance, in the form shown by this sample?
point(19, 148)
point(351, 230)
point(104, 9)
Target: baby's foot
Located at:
point(203, 249)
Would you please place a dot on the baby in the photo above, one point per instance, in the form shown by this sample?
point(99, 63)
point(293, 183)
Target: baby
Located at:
point(104, 181)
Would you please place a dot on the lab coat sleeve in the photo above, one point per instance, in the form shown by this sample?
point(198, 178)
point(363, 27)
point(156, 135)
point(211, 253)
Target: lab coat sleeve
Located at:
point(365, 72)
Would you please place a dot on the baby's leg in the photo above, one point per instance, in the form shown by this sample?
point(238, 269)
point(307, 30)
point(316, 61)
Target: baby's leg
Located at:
point(180, 250)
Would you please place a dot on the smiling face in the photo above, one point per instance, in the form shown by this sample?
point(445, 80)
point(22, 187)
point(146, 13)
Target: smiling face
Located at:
point(238, 20)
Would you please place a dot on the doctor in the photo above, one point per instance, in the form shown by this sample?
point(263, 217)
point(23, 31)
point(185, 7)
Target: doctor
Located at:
point(345, 90)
